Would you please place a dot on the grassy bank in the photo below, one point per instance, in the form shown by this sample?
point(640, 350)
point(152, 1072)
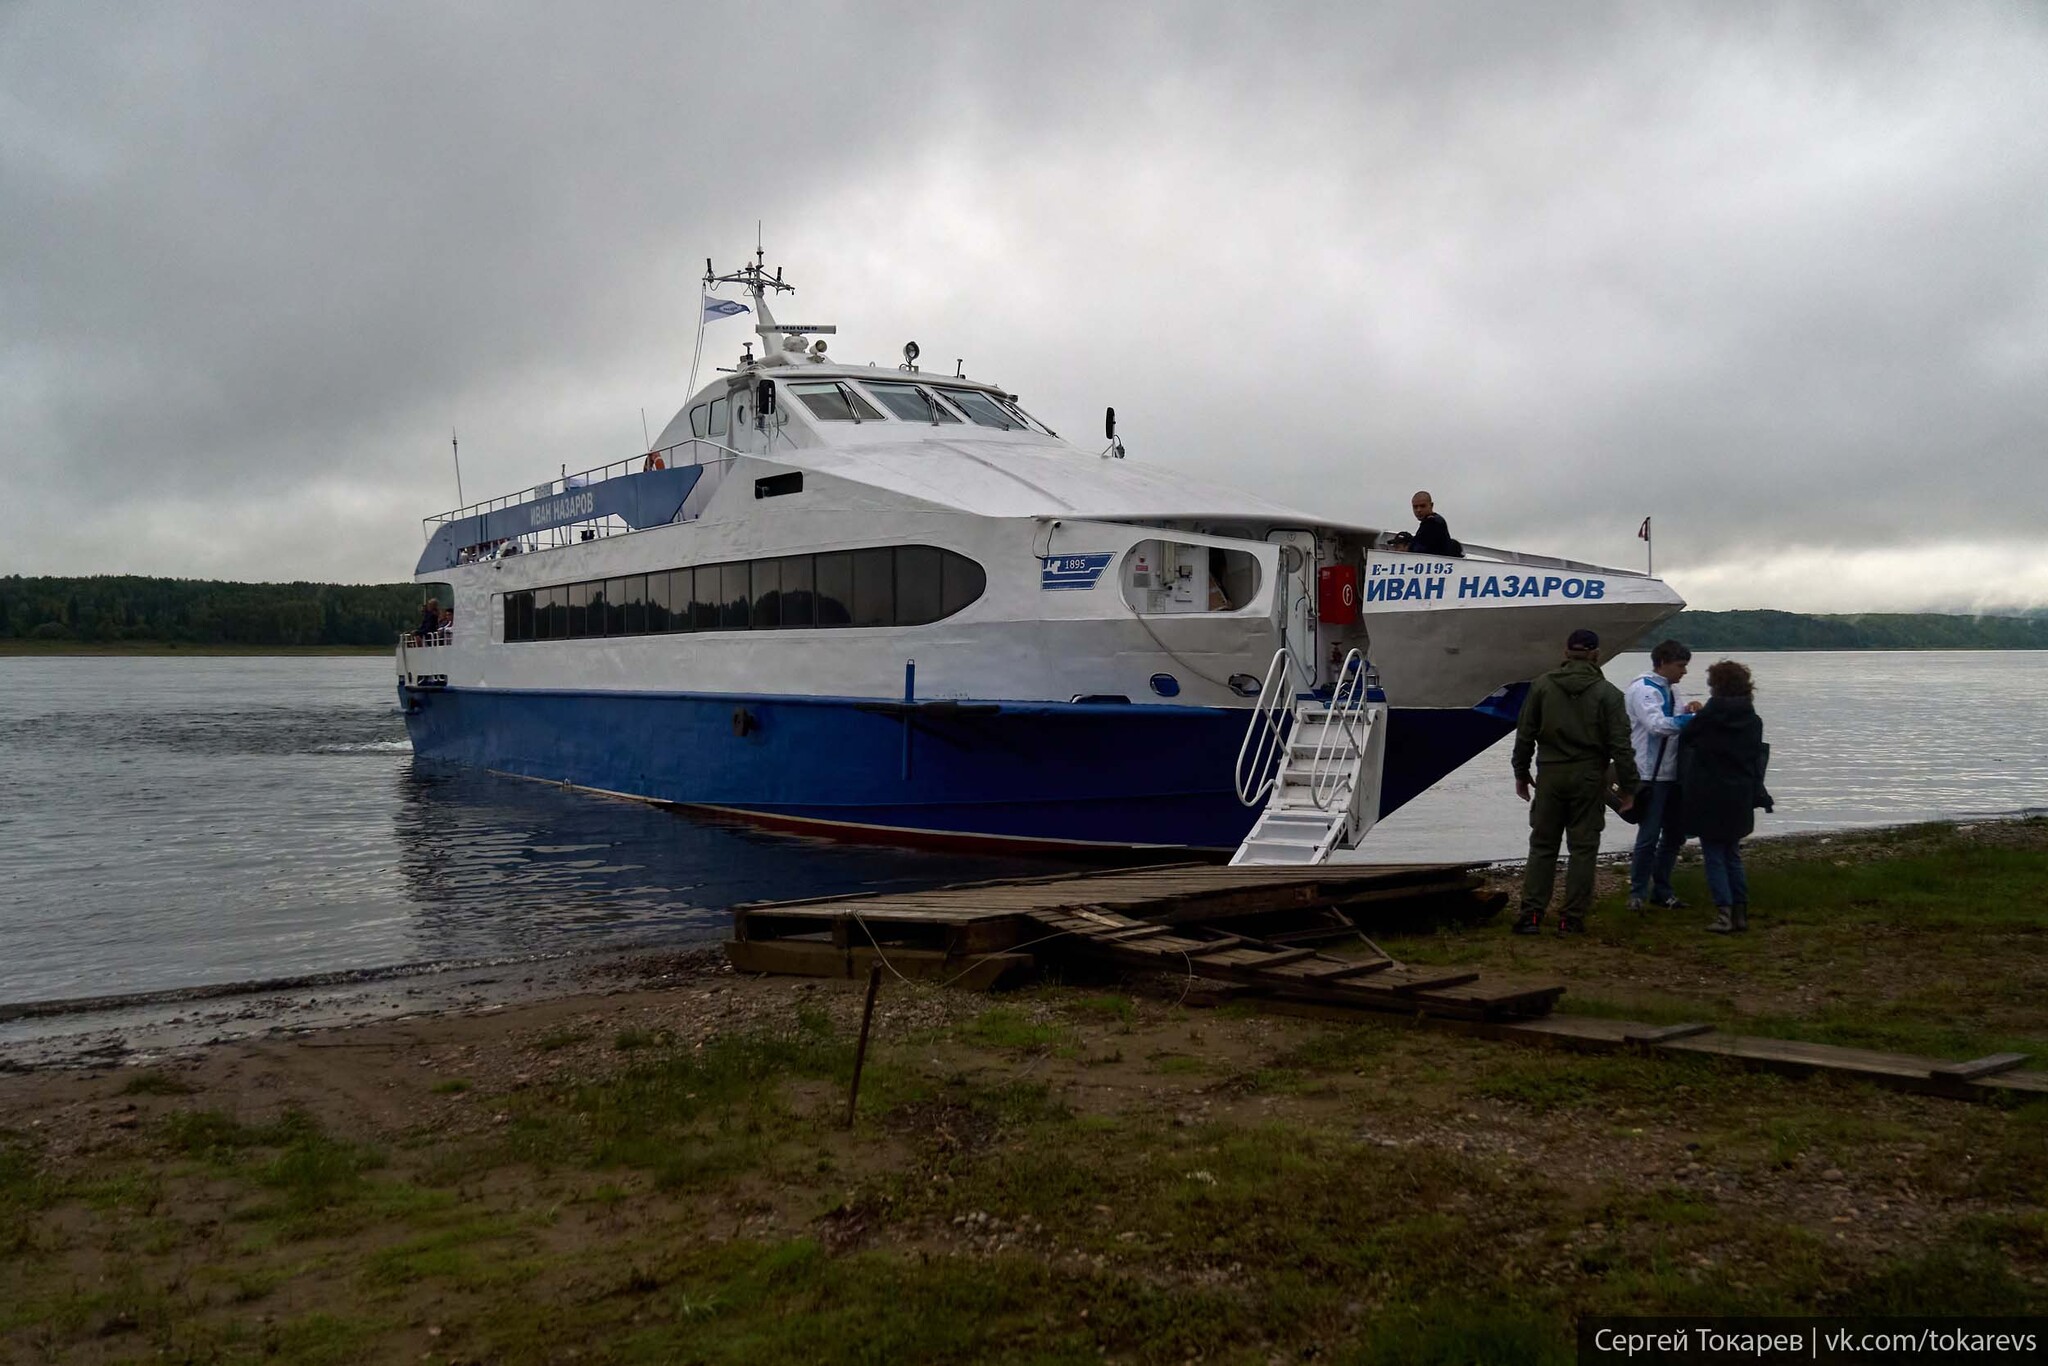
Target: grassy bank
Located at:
point(1917, 939)
point(1074, 1172)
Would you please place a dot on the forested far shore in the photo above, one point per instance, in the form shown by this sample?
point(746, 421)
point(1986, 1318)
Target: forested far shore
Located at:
point(1766, 630)
point(111, 609)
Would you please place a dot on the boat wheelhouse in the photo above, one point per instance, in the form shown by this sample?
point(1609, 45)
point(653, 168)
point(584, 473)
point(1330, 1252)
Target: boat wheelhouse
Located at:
point(886, 603)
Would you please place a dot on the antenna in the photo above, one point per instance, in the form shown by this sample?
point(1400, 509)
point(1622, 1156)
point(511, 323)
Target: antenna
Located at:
point(455, 449)
point(753, 276)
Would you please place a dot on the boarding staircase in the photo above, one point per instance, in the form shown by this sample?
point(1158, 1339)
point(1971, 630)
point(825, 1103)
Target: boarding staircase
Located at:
point(1311, 765)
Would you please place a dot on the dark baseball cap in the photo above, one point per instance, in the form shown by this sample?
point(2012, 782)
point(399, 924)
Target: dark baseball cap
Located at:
point(1582, 639)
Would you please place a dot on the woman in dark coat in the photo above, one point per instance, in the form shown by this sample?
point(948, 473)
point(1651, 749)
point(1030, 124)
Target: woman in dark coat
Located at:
point(1721, 758)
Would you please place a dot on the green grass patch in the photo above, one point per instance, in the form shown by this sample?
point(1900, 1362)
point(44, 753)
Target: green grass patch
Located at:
point(470, 1253)
point(1457, 1331)
point(684, 1115)
point(136, 1189)
point(1011, 1028)
point(631, 1040)
point(306, 1181)
point(557, 1039)
point(1544, 1082)
point(1340, 1048)
point(153, 1083)
point(1120, 1009)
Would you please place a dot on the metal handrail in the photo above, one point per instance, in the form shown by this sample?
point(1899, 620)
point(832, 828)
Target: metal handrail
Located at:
point(583, 478)
point(1487, 554)
point(1348, 701)
point(1276, 697)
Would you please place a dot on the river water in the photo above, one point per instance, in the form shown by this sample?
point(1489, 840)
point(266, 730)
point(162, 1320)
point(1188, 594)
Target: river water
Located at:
point(176, 822)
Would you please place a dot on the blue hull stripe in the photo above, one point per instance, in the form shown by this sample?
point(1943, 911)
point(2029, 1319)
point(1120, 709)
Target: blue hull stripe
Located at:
point(1030, 771)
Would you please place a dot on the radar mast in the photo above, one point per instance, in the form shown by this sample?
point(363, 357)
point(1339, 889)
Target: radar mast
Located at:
point(756, 280)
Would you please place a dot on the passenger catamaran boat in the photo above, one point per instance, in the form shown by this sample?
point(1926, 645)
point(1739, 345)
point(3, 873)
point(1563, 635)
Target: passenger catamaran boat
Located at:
point(886, 603)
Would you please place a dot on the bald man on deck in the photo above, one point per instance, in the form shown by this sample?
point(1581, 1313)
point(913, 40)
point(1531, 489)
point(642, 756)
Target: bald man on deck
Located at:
point(1433, 536)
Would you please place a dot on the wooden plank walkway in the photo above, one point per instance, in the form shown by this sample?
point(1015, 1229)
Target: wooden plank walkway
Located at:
point(1172, 893)
point(1192, 919)
point(1249, 927)
point(1990, 1078)
point(1373, 983)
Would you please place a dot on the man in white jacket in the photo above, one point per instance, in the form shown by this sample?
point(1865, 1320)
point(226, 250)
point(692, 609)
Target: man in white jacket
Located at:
point(1654, 721)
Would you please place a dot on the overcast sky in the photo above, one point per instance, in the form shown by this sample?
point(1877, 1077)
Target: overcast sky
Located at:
point(1777, 276)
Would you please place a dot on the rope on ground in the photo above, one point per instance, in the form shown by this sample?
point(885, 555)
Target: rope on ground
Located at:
point(875, 944)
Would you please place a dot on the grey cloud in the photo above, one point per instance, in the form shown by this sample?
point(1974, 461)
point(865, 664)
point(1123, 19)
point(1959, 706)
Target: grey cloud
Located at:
point(1774, 274)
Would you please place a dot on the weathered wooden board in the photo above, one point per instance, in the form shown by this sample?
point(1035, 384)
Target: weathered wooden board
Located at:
point(1986, 1066)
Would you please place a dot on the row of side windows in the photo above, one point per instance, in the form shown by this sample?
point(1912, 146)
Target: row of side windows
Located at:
point(904, 585)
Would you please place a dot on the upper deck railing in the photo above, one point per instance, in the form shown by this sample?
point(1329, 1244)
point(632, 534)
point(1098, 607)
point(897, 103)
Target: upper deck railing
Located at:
point(691, 451)
point(552, 529)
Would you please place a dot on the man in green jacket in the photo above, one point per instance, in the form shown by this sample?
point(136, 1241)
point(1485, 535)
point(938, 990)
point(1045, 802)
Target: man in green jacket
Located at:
point(1575, 724)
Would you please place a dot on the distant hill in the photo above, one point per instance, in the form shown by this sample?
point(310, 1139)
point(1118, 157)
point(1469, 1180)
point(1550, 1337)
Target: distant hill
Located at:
point(1765, 630)
point(108, 608)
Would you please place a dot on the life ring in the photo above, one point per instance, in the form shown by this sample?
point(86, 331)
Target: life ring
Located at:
point(653, 462)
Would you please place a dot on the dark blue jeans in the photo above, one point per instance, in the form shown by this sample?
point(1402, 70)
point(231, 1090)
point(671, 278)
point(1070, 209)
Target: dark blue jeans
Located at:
point(1657, 844)
point(1726, 881)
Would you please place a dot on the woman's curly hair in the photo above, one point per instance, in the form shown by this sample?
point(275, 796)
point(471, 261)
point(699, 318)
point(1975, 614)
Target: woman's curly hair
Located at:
point(1729, 679)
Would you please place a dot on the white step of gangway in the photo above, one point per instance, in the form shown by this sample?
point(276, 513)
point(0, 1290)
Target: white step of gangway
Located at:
point(1326, 792)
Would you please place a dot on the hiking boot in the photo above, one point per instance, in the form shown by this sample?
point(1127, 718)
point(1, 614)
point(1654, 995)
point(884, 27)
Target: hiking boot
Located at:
point(1724, 921)
point(1572, 924)
point(1528, 924)
point(1670, 901)
point(1739, 913)
point(1635, 903)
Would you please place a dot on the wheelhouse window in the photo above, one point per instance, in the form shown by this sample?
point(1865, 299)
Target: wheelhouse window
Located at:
point(902, 585)
point(987, 410)
point(911, 403)
point(831, 401)
point(1168, 577)
point(982, 410)
point(1010, 405)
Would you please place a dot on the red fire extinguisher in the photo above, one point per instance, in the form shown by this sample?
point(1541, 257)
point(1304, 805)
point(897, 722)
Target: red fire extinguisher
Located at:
point(1337, 594)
